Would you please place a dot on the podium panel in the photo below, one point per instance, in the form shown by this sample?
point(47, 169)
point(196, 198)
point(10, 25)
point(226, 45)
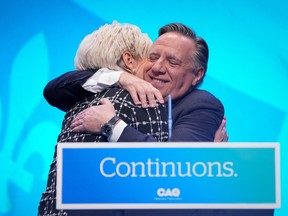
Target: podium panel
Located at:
point(176, 175)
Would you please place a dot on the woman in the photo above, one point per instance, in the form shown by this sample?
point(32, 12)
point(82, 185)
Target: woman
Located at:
point(117, 47)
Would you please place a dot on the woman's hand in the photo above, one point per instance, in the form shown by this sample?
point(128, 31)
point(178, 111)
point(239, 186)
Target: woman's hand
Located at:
point(91, 119)
point(221, 134)
point(140, 90)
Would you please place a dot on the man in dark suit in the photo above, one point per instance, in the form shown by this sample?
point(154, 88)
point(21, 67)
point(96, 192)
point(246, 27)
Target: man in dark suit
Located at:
point(176, 66)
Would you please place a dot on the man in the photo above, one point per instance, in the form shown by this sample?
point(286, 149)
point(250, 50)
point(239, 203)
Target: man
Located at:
point(177, 65)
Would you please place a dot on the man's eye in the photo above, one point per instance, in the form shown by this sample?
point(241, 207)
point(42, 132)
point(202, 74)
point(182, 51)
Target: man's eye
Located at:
point(174, 63)
point(153, 58)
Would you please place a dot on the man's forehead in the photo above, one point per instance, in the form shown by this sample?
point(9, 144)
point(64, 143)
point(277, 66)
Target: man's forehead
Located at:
point(167, 36)
point(173, 42)
point(174, 39)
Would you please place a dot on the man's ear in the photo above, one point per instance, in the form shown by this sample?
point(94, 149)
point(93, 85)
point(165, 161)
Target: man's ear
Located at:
point(199, 73)
point(128, 60)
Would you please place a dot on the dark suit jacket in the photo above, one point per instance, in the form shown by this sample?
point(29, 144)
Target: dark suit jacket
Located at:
point(196, 117)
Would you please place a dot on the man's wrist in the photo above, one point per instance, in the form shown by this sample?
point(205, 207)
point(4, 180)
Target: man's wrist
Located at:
point(117, 131)
point(107, 127)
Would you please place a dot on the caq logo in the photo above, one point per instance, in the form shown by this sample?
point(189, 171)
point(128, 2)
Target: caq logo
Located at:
point(162, 192)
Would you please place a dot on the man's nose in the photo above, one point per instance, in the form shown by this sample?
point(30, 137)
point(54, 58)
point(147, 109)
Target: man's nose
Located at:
point(159, 67)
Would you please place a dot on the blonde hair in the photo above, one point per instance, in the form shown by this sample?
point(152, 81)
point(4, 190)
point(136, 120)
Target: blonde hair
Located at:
point(105, 46)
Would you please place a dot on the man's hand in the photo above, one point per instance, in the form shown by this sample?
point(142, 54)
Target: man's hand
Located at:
point(91, 119)
point(140, 90)
point(221, 134)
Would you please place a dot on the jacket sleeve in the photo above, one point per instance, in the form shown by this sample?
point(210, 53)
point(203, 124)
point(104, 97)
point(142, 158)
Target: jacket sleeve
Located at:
point(197, 126)
point(197, 117)
point(64, 91)
point(131, 134)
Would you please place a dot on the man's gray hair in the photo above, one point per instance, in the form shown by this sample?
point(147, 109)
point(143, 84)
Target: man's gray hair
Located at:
point(201, 55)
point(105, 46)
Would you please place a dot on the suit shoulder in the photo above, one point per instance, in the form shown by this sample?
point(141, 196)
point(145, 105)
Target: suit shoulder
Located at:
point(203, 95)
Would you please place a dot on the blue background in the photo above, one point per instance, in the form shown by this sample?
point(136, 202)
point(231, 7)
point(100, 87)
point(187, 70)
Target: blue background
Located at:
point(248, 71)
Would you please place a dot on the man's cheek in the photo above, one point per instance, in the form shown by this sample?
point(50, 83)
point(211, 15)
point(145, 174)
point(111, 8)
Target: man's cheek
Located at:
point(146, 71)
point(148, 66)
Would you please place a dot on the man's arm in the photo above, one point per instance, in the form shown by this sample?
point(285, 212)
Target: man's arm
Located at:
point(64, 91)
point(196, 118)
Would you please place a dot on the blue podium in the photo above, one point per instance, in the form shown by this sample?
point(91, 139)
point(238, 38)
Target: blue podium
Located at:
point(176, 175)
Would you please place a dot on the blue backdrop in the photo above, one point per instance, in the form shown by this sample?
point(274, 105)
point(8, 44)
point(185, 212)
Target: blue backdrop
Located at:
point(248, 71)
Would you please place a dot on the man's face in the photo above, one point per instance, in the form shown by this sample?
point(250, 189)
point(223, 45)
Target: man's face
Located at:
point(170, 66)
